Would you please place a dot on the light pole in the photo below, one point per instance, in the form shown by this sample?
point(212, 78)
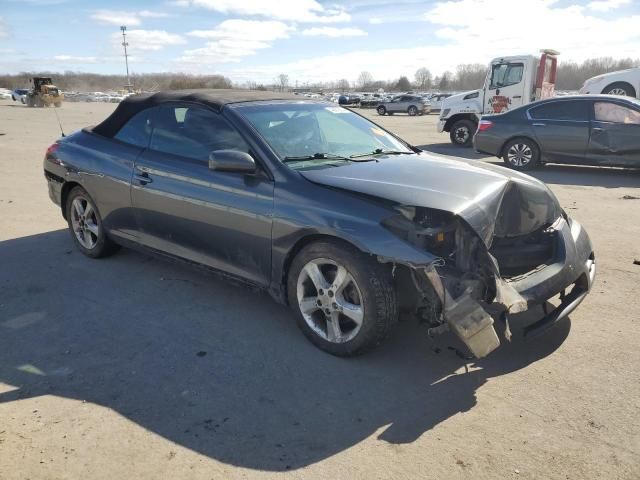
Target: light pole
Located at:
point(126, 57)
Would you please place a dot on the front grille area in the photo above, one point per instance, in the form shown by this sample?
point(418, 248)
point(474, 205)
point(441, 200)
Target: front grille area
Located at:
point(519, 255)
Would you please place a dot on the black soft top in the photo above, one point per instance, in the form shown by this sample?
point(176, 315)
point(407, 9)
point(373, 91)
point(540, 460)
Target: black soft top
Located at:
point(215, 99)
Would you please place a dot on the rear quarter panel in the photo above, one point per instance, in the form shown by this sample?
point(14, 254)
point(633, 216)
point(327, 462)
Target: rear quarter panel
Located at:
point(103, 167)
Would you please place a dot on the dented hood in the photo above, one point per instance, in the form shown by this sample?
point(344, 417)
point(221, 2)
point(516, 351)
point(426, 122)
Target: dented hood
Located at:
point(493, 200)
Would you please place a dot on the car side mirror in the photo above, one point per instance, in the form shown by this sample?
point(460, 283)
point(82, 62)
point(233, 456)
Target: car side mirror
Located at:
point(231, 161)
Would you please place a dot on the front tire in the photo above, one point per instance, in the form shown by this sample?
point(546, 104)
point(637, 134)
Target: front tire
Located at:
point(521, 154)
point(85, 225)
point(381, 110)
point(344, 301)
point(620, 88)
point(461, 133)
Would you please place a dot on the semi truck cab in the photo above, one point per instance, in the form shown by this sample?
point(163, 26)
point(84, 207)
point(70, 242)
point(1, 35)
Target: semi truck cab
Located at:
point(510, 82)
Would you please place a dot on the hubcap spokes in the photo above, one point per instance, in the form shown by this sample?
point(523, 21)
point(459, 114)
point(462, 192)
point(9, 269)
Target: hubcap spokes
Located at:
point(617, 91)
point(330, 300)
point(462, 134)
point(519, 154)
point(84, 223)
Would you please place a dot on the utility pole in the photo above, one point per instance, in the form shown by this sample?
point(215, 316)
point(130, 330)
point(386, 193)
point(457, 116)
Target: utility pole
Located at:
point(126, 57)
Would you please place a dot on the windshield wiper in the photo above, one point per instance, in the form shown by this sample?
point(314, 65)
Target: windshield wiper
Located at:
point(315, 156)
point(380, 151)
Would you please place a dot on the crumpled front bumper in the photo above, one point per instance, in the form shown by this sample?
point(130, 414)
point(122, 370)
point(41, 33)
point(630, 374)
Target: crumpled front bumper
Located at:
point(568, 275)
point(441, 124)
point(571, 275)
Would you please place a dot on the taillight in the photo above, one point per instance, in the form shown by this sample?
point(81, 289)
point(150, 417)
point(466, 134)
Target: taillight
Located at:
point(484, 125)
point(50, 154)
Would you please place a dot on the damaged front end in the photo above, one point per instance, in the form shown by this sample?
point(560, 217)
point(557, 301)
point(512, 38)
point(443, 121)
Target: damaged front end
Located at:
point(490, 272)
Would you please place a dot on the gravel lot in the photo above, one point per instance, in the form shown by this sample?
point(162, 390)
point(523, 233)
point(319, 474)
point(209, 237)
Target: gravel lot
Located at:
point(130, 367)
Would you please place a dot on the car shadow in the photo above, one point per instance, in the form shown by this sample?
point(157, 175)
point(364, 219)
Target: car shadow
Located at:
point(219, 369)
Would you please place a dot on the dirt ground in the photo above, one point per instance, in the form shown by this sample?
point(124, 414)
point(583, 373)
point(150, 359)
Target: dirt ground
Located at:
point(134, 368)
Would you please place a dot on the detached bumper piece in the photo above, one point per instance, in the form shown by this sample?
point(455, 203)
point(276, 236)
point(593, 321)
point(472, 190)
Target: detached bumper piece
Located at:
point(472, 324)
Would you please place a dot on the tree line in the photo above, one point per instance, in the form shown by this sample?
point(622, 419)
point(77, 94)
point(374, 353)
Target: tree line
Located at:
point(95, 82)
point(570, 76)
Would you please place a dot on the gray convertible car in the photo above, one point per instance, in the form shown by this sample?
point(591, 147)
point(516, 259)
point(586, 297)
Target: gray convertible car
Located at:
point(332, 214)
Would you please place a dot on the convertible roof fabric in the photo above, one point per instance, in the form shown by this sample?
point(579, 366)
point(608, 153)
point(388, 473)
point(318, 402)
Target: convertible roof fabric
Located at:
point(215, 99)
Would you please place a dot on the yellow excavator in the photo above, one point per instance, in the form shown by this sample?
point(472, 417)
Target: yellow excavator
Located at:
point(44, 93)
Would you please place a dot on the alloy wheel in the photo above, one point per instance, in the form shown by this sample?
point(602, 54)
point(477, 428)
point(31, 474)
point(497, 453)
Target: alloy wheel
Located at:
point(519, 154)
point(330, 300)
point(84, 222)
point(462, 135)
point(618, 91)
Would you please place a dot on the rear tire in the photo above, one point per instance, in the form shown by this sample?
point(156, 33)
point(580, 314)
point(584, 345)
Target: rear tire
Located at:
point(412, 111)
point(521, 154)
point(381, 110)
point(85, 225)
point(620, 88)
point(461, 133)
point(344, 300)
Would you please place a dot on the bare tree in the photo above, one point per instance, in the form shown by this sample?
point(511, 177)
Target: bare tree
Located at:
point(283, 81)
point(364, 80)
point(343, 85)
point(445, 80)
point(423, 78)
point(469, 76)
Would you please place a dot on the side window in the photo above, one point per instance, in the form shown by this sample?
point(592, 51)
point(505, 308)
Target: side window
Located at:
point(505, 74)
point(567, 110)
point(192, 132)
point(137, 131)
point(615, 113)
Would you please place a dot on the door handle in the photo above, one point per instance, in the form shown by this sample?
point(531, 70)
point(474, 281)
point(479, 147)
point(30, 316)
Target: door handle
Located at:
point(538, 124)
point(143, 178)
point(597, 129)
point(517, 96)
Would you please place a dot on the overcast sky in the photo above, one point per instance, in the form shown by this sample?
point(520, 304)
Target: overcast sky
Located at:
point(307, 39)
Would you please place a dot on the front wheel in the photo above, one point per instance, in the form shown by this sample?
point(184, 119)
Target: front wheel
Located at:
point(344, 301)
point(521, 154)
point(85, 225)
point(620, 88)
point(462, 133)
point(381, 110)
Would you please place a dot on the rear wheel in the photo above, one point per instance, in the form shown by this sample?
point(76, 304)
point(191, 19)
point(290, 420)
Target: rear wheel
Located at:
point(344, 301)
point(381, 110)
point(620, 88)
point(521, 154)
point(413, 111)
point(461, 132)
point(57, 104)
point(85, 225)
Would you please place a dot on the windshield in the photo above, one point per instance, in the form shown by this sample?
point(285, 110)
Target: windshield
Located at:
point(318, 133)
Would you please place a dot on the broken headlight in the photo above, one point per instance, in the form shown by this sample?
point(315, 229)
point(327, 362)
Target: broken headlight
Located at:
point(426, 228)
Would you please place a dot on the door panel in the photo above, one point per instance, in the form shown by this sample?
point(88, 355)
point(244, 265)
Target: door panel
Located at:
point(562, 141)
point(220, 219)
point(562, 129)
point(614, 144)
point(615, 134)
